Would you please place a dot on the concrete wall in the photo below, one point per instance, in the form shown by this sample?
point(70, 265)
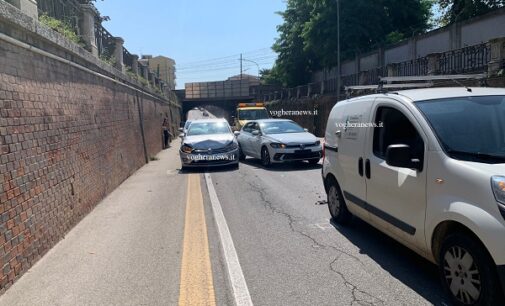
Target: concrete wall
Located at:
point(368, 62)
point(399, 53)
point(483, 29)
point(439, 41)
point(68, 137)
point(470, 32)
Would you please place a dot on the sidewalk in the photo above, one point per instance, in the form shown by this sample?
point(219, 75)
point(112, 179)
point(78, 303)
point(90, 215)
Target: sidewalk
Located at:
point(125, 252)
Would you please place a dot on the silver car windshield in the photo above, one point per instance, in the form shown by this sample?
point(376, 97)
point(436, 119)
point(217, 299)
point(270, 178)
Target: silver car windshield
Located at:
point(469, 128)
point(208, 128)
point(280, 127)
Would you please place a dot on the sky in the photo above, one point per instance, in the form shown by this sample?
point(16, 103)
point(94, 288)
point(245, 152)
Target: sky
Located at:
point(204, 37)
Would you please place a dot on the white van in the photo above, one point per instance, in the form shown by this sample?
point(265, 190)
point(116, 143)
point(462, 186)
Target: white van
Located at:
point(427, 167)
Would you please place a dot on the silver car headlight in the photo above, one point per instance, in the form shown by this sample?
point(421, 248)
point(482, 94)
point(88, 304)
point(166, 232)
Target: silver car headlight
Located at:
point(276, 145)
point(498, 185)
point(186, 149)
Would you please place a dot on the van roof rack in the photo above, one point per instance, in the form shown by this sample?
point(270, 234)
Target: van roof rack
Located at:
point(449, 77)
point(411, 82)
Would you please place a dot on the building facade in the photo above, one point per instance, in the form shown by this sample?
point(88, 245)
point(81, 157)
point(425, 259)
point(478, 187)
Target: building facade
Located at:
point(163, 67)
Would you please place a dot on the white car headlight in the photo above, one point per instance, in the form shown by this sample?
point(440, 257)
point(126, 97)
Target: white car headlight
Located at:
point(278, 145)
point(498, 185)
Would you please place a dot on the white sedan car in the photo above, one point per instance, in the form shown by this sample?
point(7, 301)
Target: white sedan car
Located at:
point(277, 141)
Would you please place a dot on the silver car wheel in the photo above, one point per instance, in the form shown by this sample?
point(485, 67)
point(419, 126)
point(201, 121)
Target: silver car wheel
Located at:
point(462, 275)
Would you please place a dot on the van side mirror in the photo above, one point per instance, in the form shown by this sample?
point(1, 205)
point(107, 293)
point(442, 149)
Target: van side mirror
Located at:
point(306, 130)
point(400, 155)
point(181, 135)
point(181, 129)
point(236, 133)
point(256, 133)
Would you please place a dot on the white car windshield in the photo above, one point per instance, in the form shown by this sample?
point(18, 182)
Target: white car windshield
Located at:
point(208, 128)
point(280, 127)
point(469, 128)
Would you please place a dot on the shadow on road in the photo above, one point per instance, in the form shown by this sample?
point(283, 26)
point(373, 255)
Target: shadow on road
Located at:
point(284, 167)
point(215, 169)
point(402, 263)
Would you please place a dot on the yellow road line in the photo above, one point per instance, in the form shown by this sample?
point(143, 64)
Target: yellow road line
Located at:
point(196, 284)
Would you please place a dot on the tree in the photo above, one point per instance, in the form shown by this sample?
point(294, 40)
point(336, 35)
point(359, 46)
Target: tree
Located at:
point(270, 76)
point(458, 10)
point(365, 25)
point(308, 37)
point(294, 61)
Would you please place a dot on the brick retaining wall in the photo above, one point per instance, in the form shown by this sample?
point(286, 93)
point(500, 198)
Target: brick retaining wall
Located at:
point(68, 138)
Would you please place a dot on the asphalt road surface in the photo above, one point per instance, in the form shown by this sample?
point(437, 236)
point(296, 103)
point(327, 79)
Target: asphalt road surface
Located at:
point(159, 240)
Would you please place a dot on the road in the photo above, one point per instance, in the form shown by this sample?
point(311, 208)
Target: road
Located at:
point(155, 241)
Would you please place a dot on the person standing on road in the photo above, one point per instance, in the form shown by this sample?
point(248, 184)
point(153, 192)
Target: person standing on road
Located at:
point(166, 133)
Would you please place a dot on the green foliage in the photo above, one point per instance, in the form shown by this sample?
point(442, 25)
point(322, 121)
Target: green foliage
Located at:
point(110, 60)
point(308, 37)
point(394, 37)
point(62, 27)
point(270, 76)
point(458, 10)
point(143, 81)
point(132, 74)
point(294, 60)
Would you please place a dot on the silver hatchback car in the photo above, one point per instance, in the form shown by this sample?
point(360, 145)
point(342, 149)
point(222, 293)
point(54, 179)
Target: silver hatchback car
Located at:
point(278, 141)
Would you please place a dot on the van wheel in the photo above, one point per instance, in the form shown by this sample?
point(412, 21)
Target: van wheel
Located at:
point(468, 272)
point(336, 204)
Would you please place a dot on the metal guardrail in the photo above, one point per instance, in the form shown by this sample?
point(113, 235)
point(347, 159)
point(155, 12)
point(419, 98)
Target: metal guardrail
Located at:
point(70, 11)
point(127, 58)
point(465, 60)
point(104, 41)
point(414, 67)
point(65, 10)
point(471, 59)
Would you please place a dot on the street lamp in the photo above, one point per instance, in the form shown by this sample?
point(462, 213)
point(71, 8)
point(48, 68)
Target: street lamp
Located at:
point(259, 78)
point(338, 50)
point(247, 60)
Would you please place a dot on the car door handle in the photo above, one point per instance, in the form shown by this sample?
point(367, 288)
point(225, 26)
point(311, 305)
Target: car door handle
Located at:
point(338, 133)
point(367, 169)
point(360, 166)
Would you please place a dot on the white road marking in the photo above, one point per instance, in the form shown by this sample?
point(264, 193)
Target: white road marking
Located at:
point(237, 279)
point(322, 226)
